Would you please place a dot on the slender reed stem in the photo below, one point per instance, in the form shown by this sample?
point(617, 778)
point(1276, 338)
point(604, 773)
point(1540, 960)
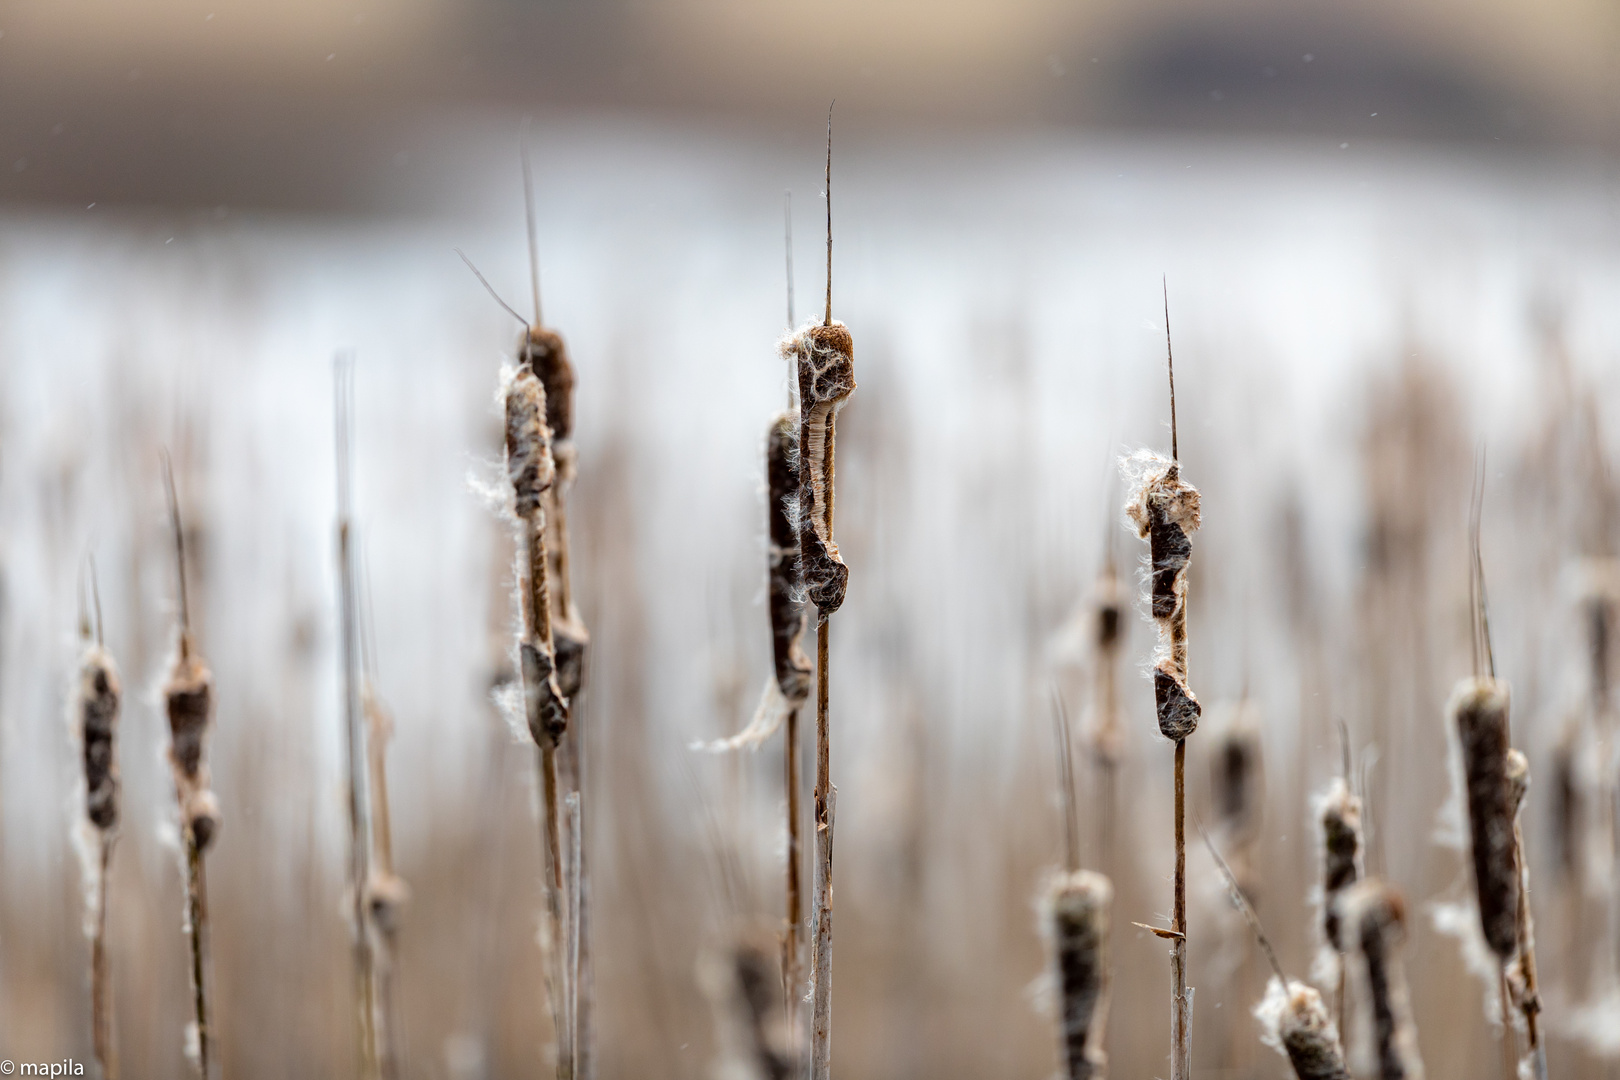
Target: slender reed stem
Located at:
point(821, 1019)
point(100, 983)
point(1181, 1009)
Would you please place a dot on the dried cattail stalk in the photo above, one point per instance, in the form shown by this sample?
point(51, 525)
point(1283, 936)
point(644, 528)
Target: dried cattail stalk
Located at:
point(544, 352)
point(757, 1040)
point(1165, 510)
point(1339, 811)
point(824, 362)
point(1522, 982)
point(1295, 1023)
point(95, 713)
point(791, 669)
point(1479, 711)
point(1375, 920)
point(1074, 922)
point(531, 471)
point(188, 698)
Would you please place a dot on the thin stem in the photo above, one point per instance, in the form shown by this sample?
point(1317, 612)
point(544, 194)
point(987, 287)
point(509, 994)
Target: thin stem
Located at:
point(787, 243)
point(197, 934)
point(821, 1033)
point(179, 556)
point(1181, 1005)
point(1170, 364)
point(510, 310)
point(100, 985)
point(529, 218)
point(827, 318)
point(1510, 1057)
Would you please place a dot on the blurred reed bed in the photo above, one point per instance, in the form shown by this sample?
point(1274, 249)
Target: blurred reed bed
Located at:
point(1341, 350)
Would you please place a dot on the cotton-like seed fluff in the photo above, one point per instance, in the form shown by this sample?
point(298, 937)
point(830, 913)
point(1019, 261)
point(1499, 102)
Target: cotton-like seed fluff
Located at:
point(825, 364)
point(1297, 1024)
point(1077, 927)
point(1341, 847)
point(787, 613)
point(99, 695)
point(1480, 712)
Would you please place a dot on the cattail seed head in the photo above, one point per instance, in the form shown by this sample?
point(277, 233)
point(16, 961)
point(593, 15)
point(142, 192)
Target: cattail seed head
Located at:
point(787, 613)
point(1165, 511)
point(1479, 710)
point(1075, 912)
point(824, 361)
point(1295, 1023)
point(98, 699)
point(1236, 778)
point(745, 986)
point(1375, 918)
point(542, 350)
point(188, 699)
point(1340, 813)
point(529, 464)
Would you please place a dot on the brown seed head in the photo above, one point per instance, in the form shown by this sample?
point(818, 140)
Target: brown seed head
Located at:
point(787, 613)
point(528, 443)
point(98, 700)
point(188, 699)
point(544, 352)
point(825, 365)
point(1076, 917)
point(1341, 849)
point(1296, 1023)
point(1479, 710)
point(1166, 512)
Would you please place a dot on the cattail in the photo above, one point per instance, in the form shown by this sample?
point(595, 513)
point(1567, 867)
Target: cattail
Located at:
point(1074, 922)
point(96, 700)
point(531, 472)
point(756, 1039)
point(824, 364)
point(1375, 920)
point(544, 352)
point(188, 699)
point(791, 667)
point(1295, 1023)
point(1339, 811)
point(1165, 510)
point(1479, 711)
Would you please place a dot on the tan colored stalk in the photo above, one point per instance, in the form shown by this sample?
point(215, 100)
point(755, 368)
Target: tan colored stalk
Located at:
point(1165, 510)
point(531, 471)
point(823, 356)
point(188, 697)
point(545, 353)
point(95, 714)
point(362, 952)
